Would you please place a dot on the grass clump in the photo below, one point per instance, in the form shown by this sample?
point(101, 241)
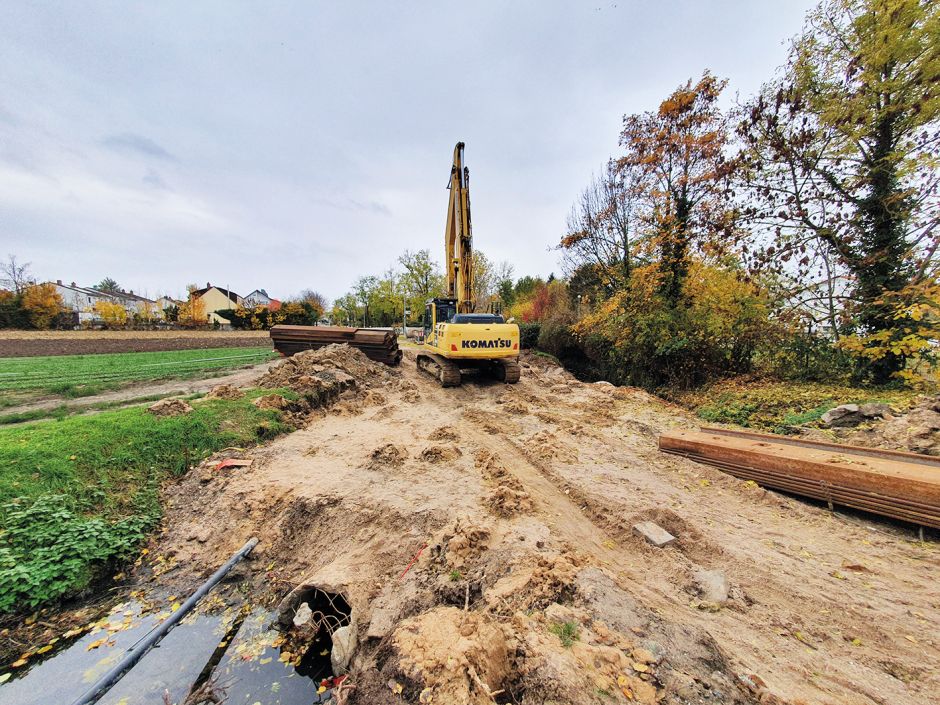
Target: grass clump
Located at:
point(79, 493)
point(567, 632)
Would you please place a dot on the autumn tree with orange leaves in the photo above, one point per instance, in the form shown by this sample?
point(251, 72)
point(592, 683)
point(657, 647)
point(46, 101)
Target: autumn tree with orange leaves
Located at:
point(680, 173)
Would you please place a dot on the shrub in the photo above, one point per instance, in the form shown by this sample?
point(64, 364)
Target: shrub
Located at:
point(48, 550)
point(529, 335)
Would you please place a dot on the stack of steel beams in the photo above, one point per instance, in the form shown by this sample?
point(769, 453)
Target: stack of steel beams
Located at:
point(379, 345)
point(900, 485)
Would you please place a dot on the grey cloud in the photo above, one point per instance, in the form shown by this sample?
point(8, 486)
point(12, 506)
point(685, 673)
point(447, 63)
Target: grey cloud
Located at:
point(130, 142)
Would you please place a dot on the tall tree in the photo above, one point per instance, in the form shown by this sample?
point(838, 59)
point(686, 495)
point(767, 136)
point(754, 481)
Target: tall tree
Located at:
point(675, 159)
point(319, 302)
point(108, 285)
point(843, 155)
point(16, 276)
point(602, 228)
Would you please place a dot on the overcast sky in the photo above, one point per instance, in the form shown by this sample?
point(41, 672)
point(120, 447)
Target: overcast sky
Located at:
point(289, 145)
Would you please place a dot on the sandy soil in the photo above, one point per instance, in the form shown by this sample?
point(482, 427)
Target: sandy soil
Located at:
point(22, 343)
point(522, 499)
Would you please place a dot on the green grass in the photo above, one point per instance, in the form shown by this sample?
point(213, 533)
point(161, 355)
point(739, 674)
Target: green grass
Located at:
point(63, 410)
point(567, 632)
point(778, 406)
point(78, 493)
point(73, 376)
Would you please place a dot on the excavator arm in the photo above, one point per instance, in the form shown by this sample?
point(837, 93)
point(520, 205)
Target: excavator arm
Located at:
point(458, 238)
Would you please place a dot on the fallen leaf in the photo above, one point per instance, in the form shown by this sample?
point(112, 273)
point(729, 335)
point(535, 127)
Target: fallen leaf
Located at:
point(395, 687)
point(640, 667)
point(44, 649)
point(324, 652)
point(18, 663)
point(265, 661)
point(910, 638)
point(5, 677)
point(96, 643)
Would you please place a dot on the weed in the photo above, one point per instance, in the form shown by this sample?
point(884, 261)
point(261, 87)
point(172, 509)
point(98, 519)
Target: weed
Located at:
point(567, 632)
point(455, 575)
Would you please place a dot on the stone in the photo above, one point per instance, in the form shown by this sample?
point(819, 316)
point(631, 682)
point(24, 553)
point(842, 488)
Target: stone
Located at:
point(842, 416)
point(653, 533)
point(382, 622)
point(875, 410)
point(303, 615)
point(712, 585)
point(344, 644)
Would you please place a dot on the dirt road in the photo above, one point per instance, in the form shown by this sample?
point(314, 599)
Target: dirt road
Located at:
point(532, 587)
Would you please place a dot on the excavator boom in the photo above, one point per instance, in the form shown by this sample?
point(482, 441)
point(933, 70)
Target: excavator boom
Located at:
point(458, 238)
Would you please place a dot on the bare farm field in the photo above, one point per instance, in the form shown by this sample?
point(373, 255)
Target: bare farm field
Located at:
point(19, 343)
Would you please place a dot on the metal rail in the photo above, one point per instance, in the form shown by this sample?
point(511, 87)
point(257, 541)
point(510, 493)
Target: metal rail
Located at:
point(138, 650)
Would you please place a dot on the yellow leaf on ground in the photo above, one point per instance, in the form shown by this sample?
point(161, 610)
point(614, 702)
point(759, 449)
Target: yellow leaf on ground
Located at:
point(44, 649)
point(18, 663)
point(5, 677)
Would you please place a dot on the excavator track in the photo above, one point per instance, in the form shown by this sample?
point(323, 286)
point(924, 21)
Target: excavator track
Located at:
point(445, 371)
point(510, 370)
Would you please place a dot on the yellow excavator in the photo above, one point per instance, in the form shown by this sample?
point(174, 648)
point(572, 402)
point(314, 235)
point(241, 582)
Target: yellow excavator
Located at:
point(455, 337)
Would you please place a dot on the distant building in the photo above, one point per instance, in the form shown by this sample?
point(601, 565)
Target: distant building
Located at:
point(81, 300)
point(214, 299)
point(136, 304)
point(259, 297)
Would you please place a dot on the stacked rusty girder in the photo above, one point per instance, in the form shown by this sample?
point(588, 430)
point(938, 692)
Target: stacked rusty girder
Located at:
point(378, 345)
point(900, 485)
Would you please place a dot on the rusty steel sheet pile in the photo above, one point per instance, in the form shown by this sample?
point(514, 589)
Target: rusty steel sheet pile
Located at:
point(894, 484)
point(379, 345)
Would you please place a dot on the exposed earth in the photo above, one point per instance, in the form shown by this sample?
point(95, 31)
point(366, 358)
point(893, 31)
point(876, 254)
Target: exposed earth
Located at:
point(483, 538)
point(529, 585)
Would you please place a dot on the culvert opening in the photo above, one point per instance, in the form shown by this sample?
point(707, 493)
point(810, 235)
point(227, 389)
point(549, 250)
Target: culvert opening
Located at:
point(317, 617)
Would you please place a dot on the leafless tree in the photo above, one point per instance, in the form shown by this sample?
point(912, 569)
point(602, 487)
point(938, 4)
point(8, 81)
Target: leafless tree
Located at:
point(16, 276)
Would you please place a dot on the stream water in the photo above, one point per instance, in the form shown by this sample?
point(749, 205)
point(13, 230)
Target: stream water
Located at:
point(232, 655)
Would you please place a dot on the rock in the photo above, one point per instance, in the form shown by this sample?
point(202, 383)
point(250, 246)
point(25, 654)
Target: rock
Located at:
point(842, 416)
point(303, 615)
point(653, 533)
point(170, 407)
point(344, 644)
point(712, 585)
point(875, 410)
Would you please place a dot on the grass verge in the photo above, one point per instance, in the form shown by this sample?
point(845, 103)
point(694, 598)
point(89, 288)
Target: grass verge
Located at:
point(778, 406)
point(80, 493)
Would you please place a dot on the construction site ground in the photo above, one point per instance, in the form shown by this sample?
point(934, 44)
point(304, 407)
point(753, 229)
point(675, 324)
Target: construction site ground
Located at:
point(483, 538)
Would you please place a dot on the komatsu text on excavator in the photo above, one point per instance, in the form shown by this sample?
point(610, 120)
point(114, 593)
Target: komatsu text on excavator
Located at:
point(456, 338)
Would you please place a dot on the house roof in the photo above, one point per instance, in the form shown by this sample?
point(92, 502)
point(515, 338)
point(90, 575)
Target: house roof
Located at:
point(232, 296)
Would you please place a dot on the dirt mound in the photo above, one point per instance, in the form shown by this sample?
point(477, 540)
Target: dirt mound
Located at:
point(225, 391)
point(271, 401)
point(170, 407)
point(447, 655)
point(444, 433)
point(507, 496)
point(387, 456)
point(440, 454)
point(331, 365)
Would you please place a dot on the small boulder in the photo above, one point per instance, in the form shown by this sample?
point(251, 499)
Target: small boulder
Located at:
point(271, 401)
point(170, 407)
point(303, 615)
point(712, 585)
point(653, 533)
point(875, 410)
point(842, 416)
point(344, 644)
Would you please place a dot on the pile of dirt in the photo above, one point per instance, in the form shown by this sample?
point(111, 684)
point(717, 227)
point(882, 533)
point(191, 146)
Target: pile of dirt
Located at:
point(225, 391)
point(320, 376)
point(170, 407)
point(507, 496)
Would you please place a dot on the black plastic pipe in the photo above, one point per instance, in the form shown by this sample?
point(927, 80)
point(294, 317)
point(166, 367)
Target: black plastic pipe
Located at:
point(138, 650)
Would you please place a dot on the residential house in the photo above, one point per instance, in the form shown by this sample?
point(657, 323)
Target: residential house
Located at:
point(214, 299)
point(163, 303)
point(138, 305)
point(259, 297)
point(81, 300)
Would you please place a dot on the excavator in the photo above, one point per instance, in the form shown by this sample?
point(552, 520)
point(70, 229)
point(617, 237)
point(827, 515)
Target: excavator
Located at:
point(456, 339)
